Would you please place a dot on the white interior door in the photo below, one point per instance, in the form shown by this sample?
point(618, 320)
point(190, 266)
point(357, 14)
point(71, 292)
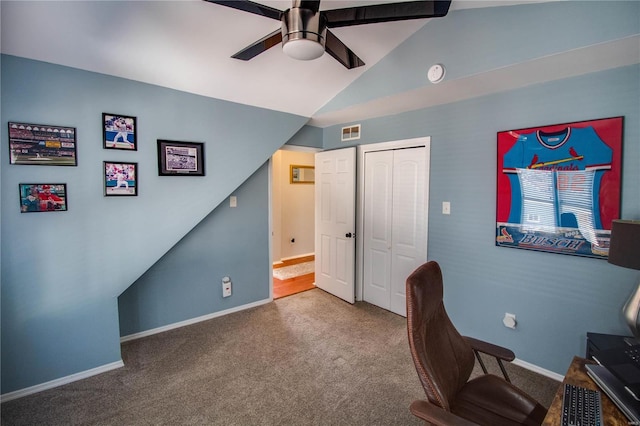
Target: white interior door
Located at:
point(395, 223)
point(335, 222)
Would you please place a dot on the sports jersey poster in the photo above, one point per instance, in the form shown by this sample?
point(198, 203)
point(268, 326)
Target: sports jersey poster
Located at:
point(558, 187)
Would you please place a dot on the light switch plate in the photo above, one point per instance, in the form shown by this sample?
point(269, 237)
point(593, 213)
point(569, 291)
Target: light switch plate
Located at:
point(233, 201)
point(446, 207)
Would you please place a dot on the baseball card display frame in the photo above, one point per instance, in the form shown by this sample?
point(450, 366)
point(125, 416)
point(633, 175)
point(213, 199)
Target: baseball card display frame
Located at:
point(558, 186)
point(120, 179)
point(119, 132)
point(42, 144)
point(180, 158)
point(43, 197)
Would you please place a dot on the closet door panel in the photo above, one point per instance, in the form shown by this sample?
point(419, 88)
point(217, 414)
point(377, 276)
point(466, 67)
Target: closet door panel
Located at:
point(408, 229)
point(378, 203)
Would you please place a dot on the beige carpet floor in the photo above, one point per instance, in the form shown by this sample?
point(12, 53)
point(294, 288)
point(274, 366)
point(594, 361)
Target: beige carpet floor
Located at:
point(307, 359)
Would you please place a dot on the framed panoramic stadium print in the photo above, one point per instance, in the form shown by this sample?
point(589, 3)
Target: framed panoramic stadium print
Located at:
point(42, 145)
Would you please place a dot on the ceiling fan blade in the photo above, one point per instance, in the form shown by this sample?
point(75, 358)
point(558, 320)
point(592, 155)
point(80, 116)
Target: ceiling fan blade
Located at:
point(251, 7)
point(386, 12)
point(341, 52)
point(273, 39)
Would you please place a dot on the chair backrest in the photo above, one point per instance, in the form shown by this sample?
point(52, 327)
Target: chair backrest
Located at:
point(443, 359)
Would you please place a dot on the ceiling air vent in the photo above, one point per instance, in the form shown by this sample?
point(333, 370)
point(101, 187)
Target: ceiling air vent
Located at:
point(351, 133)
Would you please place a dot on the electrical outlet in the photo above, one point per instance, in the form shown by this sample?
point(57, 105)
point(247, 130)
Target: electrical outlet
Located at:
point(509, 320)
point(226, 287)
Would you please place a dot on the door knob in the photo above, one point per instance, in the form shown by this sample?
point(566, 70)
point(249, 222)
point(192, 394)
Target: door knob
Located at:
point(349, 235)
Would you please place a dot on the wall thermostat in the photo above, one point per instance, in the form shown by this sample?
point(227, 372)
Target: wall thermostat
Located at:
point(436, 73)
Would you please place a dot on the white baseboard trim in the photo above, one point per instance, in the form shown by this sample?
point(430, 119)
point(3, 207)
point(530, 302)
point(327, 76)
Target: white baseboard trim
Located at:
point(192, 321)
point(118, 364)
point(61, 381)
point(103, 369)
point(539, 370)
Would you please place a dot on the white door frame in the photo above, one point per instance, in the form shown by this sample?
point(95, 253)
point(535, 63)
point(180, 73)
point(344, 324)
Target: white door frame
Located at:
point(362, 150)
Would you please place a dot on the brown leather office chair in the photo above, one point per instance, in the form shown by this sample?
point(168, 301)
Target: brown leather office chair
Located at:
point(444, 360)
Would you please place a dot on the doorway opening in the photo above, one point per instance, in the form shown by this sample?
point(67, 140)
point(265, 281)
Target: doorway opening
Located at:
point(292, 220)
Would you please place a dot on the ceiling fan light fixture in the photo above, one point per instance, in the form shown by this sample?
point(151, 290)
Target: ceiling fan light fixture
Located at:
point(303, 49)
point(303, 34)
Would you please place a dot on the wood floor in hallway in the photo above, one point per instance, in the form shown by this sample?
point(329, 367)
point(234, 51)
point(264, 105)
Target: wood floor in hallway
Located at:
point(282, 288)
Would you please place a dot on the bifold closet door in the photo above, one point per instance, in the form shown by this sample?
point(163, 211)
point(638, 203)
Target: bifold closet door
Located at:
point(395, 224)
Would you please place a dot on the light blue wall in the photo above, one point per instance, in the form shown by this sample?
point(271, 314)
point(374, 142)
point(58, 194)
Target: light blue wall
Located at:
point(186, 282)
point(557, 298)
point(473, 41)
point(62, 272)
point(308, 136)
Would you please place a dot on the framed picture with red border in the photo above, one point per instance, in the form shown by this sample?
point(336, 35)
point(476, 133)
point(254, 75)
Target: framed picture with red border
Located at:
point(558, 186)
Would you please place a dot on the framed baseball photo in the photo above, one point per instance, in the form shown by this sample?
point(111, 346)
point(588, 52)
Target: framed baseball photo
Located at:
point(180, 158)
point(42, 197)
point(120, 179)
point(558, 187)
point(42, 145)
point(119, 132)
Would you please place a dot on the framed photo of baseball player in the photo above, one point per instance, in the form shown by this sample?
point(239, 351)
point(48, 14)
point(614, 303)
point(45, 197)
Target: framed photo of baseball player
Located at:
point(558, 187)
point(119, 132)
point(120, 179)
point(42, 145)
point(42, 197)
point(180, 158)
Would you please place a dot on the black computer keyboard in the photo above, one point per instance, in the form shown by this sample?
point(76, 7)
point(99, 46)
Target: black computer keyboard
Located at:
point(581, 406)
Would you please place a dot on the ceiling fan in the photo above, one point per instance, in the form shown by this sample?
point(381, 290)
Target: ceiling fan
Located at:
point(305, 30)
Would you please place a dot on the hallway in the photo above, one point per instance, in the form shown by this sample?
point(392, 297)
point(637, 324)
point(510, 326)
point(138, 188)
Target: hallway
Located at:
point(293, 285)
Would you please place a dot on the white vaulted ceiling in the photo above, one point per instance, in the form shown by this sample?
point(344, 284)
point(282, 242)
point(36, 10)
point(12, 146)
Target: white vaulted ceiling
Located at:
point(187, 44)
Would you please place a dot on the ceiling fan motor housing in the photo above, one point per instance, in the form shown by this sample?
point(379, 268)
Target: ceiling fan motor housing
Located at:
point(303, 33)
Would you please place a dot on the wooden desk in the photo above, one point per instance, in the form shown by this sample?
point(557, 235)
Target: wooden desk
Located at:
point(577, 375)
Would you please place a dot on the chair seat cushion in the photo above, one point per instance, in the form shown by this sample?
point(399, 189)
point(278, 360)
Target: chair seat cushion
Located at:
point(490, 400)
